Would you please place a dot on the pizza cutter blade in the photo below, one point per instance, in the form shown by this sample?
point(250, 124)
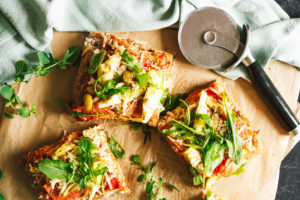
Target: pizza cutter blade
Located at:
point(209, 38)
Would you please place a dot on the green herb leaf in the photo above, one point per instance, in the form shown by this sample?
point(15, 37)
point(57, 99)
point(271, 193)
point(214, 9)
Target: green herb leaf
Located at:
point(187, 128)
point(235, 148)
point(0, 174)
point(149, 187)
point(207, 120)
point(135, 125)
point(74, 54)
point(18, 100)
point(197, 180)
point(141, 178)
point(129, 61)
point(7, 92)
point(116, 148)
point(142, 79)
point(24, 112)
point(110, 89)
point(136, 160)
point(43, 58)
point(21, 68)
point(241, 169)
point(172, 101)
point(6, 114)
point(96, 60)
point(147, 131)
point(1, 197)
point(55, 169)
point(213, 156)
point(172, 186)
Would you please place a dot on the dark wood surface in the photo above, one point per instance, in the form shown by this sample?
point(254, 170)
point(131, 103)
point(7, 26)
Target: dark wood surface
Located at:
point(289, 179)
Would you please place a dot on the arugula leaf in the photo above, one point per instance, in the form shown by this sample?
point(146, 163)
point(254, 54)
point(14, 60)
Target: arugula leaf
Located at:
point(142, 79)
point(1, 197)
point(0, 174)
point(129, 61)
point(58, 169)
point(207, 120)
point(110, 89)
point(86, 161)
point(96, 60)
point(116, 148)
point(193, 130)
point(172, 101)
point(235, 148)
point(213, 156)
point(188, 112)
point(241, 169)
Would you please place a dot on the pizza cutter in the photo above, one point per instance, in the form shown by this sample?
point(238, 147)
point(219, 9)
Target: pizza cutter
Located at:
point(209, 38)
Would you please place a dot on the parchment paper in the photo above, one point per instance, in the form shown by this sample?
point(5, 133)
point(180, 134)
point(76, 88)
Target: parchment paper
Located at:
point(20, 135)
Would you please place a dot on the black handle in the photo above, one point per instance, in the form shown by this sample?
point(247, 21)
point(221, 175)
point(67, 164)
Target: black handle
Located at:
point(260, 79)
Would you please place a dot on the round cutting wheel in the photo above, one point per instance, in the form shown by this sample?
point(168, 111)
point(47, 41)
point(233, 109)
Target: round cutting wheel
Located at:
point(192, 31)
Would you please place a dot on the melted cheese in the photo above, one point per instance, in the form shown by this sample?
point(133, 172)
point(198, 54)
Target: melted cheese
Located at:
point(151, 102)
point(192, 156)
point(111, 101)
point(201, 109)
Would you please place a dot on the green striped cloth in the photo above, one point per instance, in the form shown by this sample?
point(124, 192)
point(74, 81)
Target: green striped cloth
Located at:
point(26, 26)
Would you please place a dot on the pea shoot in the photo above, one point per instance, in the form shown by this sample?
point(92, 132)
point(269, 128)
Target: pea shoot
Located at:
point(146, 130)
point(154, 186)
point(116, 148)
point(24, 73)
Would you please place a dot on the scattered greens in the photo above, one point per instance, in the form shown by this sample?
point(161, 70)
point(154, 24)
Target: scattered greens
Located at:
point(142, 77)
point(210, 143)
point(47, 64)
point(95, 61)
point(110, 89)
point(172, 101)
point(146, 130)
point(129, 61)
point(153, 186)
point(235, 145)
point(85, 174)
point(116, 148)
point(0, 174)
point(8, 93)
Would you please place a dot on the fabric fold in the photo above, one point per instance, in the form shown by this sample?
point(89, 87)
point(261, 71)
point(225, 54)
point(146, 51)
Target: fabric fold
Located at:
point(26, 27)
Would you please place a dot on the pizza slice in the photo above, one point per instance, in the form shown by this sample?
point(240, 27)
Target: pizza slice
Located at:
point(122, 79)
point(78, 166)
point(210, 134)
